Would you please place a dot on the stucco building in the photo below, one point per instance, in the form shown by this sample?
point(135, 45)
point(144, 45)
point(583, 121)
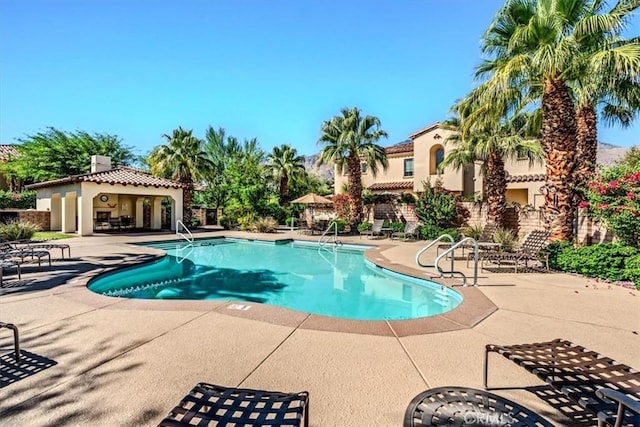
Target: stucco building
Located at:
point(107, 197)
point(416, 160)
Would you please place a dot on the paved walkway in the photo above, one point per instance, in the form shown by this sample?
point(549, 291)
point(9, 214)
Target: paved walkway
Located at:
point(118, 362)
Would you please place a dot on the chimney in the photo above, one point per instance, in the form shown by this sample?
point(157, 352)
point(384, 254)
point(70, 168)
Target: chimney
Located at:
point(100, 163)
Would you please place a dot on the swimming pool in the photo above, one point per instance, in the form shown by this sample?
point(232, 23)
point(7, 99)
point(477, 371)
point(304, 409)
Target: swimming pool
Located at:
point(336, 282)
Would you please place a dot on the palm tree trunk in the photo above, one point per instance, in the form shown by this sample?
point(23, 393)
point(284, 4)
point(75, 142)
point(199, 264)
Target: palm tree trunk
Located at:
point(186, 201)
point(587, 147)
point(284, 190)
point(559, 145)
point(355, 191)
point(496, 189)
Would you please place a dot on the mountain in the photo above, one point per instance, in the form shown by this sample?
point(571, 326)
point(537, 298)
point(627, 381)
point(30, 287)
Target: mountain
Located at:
point(324, 171)
point(609, 153)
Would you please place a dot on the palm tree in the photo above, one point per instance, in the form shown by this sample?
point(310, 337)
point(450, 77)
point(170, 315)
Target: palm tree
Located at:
point(482, 134)
point(349, 139)
point(184, 158)
point(285, 166)
point(618, 100)
point(541, 46)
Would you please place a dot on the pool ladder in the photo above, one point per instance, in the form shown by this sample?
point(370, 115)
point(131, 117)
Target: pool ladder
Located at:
point(180, 255)
point(451, 250)
point(179, 234)
point(326, 236)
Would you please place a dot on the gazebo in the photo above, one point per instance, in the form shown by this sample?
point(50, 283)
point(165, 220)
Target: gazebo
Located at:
point(81, 203)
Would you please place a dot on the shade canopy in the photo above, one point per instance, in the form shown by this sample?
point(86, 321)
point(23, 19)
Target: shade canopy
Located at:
point(312, 198)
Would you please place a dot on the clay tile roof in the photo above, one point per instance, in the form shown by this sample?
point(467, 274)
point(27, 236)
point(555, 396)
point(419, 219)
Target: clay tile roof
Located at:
point(424, 130)
point(122, 175)
point(526, 178)
point(398, 185)
point(402, 147)
point(7, 151)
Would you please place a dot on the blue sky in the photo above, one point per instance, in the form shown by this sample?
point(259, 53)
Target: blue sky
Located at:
point(267, 69)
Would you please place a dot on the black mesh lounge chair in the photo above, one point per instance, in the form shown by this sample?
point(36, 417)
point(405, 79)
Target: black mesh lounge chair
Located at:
point(529, 250)
point(46, 246)
point(16, 339)
point(607, 388)
point(410, 230)
point(457, 406)
point(7, 263)
point(212, 405)
point(23, 254)
point(376, 229)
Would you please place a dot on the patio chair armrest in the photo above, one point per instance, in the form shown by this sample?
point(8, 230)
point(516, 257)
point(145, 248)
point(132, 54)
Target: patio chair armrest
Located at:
point(619, 397)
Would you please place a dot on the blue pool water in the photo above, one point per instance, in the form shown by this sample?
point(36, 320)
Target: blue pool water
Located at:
point(339, 283)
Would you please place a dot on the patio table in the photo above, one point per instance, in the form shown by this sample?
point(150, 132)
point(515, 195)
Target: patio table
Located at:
point(454, 406)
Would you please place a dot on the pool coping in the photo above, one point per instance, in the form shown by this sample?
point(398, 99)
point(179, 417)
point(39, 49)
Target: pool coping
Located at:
point(474, 308)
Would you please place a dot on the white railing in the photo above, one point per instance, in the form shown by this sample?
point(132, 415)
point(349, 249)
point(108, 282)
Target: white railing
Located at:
point(451, 251)
point(179, 234)
point(429, 246)
point(326, 236)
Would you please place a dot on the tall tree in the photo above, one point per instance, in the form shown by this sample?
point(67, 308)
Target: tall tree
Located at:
point(348, 139)
point(541, 46)
point(223, 150)
point(183, 156)
point(54, 154)
point(285, 166)
point(483, 133)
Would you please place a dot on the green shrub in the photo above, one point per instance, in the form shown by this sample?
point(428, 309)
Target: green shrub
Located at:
point(429, 232)
point(396, 227)
point(290, 221)
point(506, 238)
point(439, 209)
point(605, 260)
point(265, 225)
point(16, 230)
point(554, 249)
point(246, 222)
point(279, 213)
point(632, 270)
point(23, 200)
point(195, 222)
point(364, 226)
point(473, 231)
point(453, 232)
point(341, 223)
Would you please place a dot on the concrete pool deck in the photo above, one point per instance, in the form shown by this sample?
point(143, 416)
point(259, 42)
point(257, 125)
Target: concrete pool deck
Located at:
point(128, 362)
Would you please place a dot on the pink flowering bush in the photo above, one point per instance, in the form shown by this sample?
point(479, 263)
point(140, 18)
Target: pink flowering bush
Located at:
point(613, 196)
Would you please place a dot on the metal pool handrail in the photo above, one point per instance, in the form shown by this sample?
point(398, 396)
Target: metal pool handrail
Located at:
point(326, 236)
point(179, 234)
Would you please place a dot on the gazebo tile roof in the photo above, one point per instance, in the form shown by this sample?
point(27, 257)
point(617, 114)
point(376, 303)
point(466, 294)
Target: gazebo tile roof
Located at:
point(402, 147)
point(7, 151)
point(397, 185)
point(526, 178)
point(424, 130)
point(122, 175)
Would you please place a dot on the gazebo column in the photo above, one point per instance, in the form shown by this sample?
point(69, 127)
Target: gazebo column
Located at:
point(140, 212)
point(69, 212)
point(56, 212)
point(85, 215)
point(156, 213)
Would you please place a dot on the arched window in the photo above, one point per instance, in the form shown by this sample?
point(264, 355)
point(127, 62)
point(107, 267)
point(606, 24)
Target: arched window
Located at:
point(437, 156)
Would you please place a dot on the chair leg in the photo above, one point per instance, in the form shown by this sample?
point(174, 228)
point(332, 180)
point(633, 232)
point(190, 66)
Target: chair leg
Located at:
point(306, 415)
point(486, 368)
